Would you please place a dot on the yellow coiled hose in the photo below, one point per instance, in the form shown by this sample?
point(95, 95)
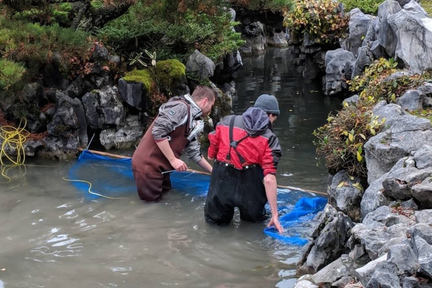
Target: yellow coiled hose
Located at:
point(13, 140)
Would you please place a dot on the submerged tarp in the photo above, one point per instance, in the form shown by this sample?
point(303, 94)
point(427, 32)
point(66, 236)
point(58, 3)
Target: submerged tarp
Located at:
point(98, 176)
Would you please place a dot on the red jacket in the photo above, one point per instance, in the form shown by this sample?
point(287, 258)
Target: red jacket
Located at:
point(261, 146)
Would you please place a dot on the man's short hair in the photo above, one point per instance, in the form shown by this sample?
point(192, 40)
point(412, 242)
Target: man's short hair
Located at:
point(201, 92)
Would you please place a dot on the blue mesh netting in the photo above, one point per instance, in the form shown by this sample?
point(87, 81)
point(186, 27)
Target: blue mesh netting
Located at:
point(304, 210)
point(101, 176)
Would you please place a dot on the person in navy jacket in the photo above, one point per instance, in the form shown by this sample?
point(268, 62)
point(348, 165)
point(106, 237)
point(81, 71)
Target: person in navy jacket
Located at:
point(246, 153)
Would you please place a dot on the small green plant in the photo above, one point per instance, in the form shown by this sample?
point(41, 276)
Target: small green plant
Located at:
point(366, 6)
point(272, 5)
point(376, 84)
point(323, 20)
point(340, 142)
point(138, 58)
point(10, 73)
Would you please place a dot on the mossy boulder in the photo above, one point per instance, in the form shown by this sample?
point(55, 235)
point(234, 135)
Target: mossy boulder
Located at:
point(143, 76)
point(171, 74)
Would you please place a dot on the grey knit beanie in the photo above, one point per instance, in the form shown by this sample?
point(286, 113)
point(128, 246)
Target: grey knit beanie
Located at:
point(268, 103)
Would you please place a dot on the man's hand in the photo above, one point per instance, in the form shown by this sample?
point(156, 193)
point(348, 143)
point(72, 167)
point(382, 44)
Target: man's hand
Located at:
point(274, 221)
point(178, 164)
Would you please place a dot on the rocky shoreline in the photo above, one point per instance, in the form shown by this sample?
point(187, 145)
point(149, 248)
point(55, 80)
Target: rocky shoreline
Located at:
point(380, 236)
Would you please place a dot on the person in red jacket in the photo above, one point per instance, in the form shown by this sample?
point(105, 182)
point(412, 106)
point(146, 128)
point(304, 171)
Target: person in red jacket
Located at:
point(246, 153)
point(173, 132)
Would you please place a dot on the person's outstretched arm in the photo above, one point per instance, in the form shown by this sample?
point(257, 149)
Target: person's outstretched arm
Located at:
point(270, 184)
point(204, 164)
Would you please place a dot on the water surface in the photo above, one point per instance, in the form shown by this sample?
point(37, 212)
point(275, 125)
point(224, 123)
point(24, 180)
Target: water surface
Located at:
point(55, 235)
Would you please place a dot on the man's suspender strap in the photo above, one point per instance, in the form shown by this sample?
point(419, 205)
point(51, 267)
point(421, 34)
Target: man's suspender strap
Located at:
point(234, 144)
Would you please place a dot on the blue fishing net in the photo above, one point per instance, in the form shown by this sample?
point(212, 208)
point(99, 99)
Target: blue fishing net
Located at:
point(96, 176)
point(102, 176)
point(304, 211)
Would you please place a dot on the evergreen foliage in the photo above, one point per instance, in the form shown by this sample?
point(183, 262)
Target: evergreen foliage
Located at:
point(173, 29)
point(35, 45)
point(259, 5)
point(10, 73)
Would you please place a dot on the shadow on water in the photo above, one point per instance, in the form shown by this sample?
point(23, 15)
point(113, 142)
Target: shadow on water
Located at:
point(56, 234)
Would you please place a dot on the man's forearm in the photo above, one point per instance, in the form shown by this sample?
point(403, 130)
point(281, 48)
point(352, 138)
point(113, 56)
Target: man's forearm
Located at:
point(270, 184)
point(166, 149)
point(204, 164)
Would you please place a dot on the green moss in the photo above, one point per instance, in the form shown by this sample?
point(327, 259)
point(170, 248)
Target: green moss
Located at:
point(97, 4)
point(169, 73)
point(141, 76)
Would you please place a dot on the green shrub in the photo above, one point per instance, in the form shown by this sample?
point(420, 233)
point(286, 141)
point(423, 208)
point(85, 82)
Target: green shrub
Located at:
point(34, 45)
point(340, 142)
point(323, 20)
point(154, 25)
point(10, 73)
point(272, 5)
point(366, 6)
point(375, 83)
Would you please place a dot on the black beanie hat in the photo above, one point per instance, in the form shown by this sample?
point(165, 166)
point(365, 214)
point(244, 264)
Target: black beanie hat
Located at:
point(268, 103)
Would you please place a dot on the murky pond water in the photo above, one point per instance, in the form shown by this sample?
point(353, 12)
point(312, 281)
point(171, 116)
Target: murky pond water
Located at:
point(54, 235)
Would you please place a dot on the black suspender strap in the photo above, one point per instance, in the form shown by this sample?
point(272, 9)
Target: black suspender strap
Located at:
point(234, 144)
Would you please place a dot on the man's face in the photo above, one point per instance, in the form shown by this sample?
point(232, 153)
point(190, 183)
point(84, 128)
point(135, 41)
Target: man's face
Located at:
point(206, 106)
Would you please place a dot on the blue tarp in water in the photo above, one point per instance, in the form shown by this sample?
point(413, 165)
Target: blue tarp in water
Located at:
point(101, 176)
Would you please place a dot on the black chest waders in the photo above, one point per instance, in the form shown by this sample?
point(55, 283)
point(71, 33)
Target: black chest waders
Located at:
point(231, 187)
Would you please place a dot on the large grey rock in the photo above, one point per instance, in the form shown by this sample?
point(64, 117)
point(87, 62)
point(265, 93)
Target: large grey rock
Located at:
point(378, 238)
point(132, 93)
point(358, 27)
point(384, 276)
point(338, 68)
point(373, 197)
point(398, 183)
point(200, 66)
point(385, 149)
point(127, 135)
point(386, 35)
point(365, 272)
point(329, 241)
point(403, 256)
point(389, 112)
point(345, 194)
point(423, 193)
point(103, 108)
point(413, 33)
point(411, 100)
